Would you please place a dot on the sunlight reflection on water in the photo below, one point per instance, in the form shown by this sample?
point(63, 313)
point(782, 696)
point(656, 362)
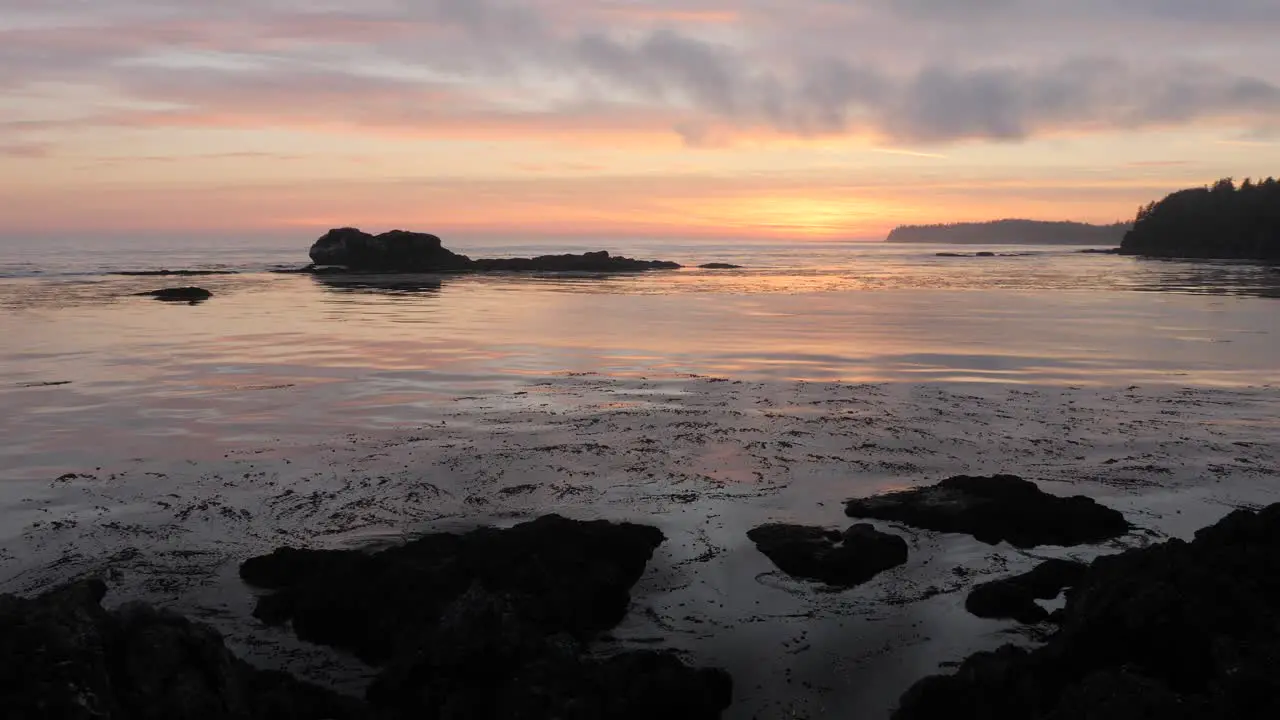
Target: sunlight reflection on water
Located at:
point(309, 356)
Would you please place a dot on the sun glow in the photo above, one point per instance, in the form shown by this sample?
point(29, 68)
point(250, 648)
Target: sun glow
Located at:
point(791, 215)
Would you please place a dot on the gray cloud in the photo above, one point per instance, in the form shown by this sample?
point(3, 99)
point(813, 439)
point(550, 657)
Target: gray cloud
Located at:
point(1200, 11)
point(480, 52)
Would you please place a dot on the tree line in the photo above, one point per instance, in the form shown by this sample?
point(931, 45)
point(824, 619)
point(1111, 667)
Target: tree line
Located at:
point(1223, 220)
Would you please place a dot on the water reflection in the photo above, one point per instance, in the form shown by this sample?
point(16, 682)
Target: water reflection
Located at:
point(1207, 277)
point(398, 284)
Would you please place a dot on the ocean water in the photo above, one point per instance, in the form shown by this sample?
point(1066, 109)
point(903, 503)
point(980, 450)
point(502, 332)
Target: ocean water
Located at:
point(88, 367)
point(159, 445)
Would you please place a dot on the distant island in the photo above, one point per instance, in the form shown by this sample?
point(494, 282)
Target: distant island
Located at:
point(1222, 221)
point(1011, 232)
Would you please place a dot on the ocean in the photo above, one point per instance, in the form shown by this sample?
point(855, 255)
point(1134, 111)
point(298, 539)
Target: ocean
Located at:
point(162, 443)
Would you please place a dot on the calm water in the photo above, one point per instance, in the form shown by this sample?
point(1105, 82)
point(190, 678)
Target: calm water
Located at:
point(314, 357)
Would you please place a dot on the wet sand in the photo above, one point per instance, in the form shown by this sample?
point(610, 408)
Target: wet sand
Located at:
point(705, 459)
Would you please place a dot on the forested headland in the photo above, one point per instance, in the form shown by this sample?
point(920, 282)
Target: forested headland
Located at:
point(1219, 221)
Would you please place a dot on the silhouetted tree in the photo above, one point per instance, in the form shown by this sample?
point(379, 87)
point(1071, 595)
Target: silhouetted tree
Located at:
point(1221, 221)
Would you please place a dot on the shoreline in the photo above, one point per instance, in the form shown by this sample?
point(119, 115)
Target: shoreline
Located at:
point(725, 456)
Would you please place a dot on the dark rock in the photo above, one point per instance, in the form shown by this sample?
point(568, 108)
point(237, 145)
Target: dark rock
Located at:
point(995, 509)
point(63, 656)
point(489, 624)
point(842, 559)
point(351, 250)
point(1182, 630)
point(950, 254)
point(1015, 597)
point(984, 254)
point(720, 266)
point(599, 261)
point(574, 576)
point(180, 294)
point(397, 251)
point(174, 273)
point(988, 685)
point(1096, 251)
point(1118, 694)
point(632, 686)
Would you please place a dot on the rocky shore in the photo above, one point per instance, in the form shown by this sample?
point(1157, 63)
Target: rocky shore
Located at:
point(1176, 630)
point(62, 656)
point(498, 623)
point(488, 624)
point(709, 592)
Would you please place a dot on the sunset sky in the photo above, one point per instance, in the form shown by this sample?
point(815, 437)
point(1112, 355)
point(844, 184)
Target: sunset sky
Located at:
point(760, 118)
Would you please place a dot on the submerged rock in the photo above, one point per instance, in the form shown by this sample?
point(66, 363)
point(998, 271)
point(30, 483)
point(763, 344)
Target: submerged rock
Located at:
point(842, 559)
point(995, 509)
point(1176, 630)
point(492, 623)
point(397, 250)
point(63, 656)
point(984, 254)
point(180, 294)
point(720, 266)
point(1015, 597)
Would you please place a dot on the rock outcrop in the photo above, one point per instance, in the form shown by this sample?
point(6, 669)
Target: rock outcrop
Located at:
point(599, 261)
point(842, 559)
point(1014, 598)
point(180, 294)
point(491, 623)
point(1176, 630)
point(397, 250)
point(995, 509)
point(63, 656)
point(720, 266)
point(352, 250)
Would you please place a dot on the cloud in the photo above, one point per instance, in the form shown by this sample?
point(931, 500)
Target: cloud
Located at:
point(392, 64)
point(1199, 11)
point(26, 150)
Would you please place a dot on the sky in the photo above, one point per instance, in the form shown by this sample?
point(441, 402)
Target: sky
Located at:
point(800, 119)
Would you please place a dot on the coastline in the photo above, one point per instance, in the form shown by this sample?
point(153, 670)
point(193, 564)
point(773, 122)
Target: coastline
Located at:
point(703, 459)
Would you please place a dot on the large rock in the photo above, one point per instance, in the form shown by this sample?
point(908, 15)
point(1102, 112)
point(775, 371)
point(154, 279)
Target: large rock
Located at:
point(489, 624)
point(63, 656)
point(1182, 630)
point(573, 576)
point(598, 261)
point(837, 558)
point(995, 509)
point(1015, 597)
point(397, 251)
